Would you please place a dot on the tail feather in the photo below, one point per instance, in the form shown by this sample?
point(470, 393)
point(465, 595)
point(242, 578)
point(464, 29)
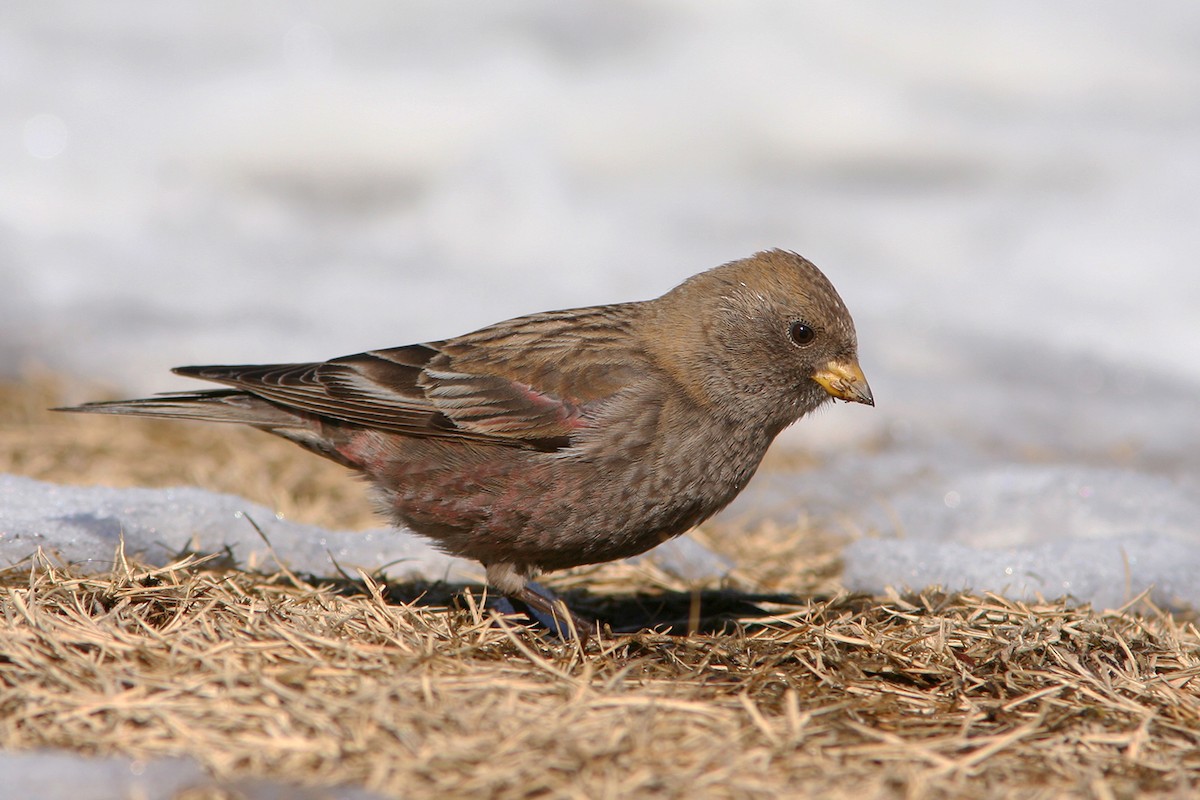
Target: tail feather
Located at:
point(232, 405)
point(217, 405)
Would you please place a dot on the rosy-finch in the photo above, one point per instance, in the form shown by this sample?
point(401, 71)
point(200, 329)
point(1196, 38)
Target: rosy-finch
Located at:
point(568, 437)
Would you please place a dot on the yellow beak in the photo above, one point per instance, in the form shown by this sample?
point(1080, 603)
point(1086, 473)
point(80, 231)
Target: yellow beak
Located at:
point(845, 381)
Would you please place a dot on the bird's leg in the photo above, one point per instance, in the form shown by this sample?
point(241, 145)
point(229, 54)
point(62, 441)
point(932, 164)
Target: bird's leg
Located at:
point(539, 602)
point(553, 612)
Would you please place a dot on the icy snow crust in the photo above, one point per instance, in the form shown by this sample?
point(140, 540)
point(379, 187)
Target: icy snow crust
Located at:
point(49, 775)
point(1099, 535)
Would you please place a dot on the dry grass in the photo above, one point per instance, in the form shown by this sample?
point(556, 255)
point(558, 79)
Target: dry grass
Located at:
point(421, 692)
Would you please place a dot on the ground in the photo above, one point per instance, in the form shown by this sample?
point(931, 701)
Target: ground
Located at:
point(775, 683)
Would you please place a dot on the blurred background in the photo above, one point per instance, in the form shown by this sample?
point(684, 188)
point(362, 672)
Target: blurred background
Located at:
point(1006, 194)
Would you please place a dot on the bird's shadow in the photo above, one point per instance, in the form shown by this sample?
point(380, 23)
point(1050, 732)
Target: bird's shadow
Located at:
point(706, 611)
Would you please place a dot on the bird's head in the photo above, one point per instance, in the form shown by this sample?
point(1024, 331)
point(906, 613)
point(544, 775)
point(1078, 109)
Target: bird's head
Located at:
point(767, 336)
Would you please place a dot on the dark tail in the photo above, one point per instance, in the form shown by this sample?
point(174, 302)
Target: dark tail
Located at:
point(232, 405)
point(216, 405)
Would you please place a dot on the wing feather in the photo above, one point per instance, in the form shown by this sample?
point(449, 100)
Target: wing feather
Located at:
point(527, 382)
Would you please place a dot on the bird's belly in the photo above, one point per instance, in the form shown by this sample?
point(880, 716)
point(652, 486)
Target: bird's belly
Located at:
point(503, 505)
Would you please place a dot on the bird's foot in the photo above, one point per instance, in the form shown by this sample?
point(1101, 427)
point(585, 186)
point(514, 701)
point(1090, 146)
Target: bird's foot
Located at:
point(549, 610)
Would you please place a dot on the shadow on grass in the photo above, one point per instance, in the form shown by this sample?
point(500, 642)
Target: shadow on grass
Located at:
point(708, 611)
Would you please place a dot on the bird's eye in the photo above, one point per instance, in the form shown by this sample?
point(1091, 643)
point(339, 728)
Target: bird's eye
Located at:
point(801, 334)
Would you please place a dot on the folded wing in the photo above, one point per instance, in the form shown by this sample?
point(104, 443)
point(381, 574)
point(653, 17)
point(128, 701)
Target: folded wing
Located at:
point(527, 382)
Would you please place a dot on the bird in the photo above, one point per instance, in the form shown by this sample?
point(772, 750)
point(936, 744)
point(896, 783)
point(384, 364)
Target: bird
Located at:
point(561, 438)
